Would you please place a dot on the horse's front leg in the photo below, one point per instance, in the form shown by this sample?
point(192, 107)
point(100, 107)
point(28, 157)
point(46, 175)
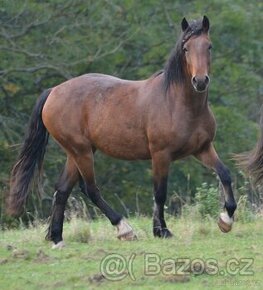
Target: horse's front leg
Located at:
point(160, 164)
point(210, 159)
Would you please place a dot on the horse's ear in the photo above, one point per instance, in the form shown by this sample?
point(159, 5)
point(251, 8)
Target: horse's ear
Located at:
point(184, 24)
point(205, 23)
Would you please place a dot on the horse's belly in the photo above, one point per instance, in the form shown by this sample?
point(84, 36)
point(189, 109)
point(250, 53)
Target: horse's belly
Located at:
point(123, 146)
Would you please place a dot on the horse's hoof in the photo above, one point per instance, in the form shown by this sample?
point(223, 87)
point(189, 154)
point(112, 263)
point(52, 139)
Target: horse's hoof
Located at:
point(225, 222)
point(128, 237)
point(125, 231)
point(162, 233)
point(59, 245)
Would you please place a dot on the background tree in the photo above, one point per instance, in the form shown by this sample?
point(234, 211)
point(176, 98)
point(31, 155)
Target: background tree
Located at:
point(43, 43)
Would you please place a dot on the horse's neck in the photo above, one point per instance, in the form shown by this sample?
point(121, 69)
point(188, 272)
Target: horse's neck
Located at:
point(185, 95)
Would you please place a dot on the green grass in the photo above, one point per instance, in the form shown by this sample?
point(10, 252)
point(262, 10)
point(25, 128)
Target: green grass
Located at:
point(28, 262)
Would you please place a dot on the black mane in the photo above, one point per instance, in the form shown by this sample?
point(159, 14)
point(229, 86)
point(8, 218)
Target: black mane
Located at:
point(173, 70)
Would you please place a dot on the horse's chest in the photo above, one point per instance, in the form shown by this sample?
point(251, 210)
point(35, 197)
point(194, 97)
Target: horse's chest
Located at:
point(190, 141)
point(181, 135)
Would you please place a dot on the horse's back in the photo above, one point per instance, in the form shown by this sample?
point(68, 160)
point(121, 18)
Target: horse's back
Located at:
point(101, 110)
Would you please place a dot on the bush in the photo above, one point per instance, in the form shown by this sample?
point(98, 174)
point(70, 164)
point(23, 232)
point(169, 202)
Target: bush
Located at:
point(207, 199)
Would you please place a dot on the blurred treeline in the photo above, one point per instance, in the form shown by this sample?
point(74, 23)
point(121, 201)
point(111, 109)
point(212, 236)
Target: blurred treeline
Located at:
point(43, 43)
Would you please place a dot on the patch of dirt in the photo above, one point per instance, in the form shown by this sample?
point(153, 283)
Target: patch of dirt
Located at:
point(10, 247)
point(198, 269)
point(177, 278)
point(59, 284)
point(204, 231)
point(53, 285)
point(94, 256)
point(101, 252)
point(97, 278)
point(42, 257)
point(89, 257)
point(3, 261)
point(20, 254)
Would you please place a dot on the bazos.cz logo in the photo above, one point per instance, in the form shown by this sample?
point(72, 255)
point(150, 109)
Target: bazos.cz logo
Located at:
point(116, 267)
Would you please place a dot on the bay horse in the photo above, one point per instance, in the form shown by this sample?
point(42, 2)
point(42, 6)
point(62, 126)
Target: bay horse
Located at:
point(163, 118)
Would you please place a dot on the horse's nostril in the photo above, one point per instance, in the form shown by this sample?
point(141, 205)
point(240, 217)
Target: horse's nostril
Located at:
point(194, 80)
point(207, 79)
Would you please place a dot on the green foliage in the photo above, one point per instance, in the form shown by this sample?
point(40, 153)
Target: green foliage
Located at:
point(244, 212)
point(232, 136)
point(207, 199)
point(44, 43)
point(28, 262)
point(78, 231)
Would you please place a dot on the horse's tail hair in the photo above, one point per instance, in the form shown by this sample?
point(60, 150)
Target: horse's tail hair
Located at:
point(30, 158)
point(252, 162)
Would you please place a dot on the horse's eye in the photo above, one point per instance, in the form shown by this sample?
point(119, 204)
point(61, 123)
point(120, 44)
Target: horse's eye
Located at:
point(210, 47)
point(185, 49)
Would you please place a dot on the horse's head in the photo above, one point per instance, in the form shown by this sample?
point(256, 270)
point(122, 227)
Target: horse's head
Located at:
point(196, 47)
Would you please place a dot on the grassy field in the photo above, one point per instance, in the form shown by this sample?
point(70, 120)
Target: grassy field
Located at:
point(199, 256)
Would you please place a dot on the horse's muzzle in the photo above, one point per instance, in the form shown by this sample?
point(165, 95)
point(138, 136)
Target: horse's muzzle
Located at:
point(200, 84)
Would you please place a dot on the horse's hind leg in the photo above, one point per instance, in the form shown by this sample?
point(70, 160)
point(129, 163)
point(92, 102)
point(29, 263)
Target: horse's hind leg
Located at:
point(88, 186)
point(67, 180)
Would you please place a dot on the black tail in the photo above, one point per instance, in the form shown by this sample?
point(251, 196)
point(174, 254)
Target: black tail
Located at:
point(30, 158)
point(252, 162)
